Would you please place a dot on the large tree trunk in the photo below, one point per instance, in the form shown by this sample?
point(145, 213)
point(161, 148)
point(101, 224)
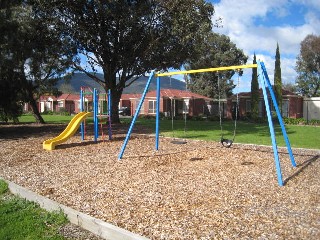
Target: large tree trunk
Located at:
point(116, 91)
point(116, 95)
point(35, 111)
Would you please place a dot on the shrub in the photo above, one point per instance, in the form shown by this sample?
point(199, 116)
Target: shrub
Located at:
point(47, 112)
point(63, 112)
point(314, 122)
point(294, 121)
point(147, 116)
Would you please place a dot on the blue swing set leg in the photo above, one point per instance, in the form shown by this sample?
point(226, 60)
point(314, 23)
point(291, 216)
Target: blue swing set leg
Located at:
point(265, 82)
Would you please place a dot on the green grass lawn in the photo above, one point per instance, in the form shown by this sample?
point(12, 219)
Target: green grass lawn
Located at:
point(27, 118)
point(299, 136)
point(22, 219)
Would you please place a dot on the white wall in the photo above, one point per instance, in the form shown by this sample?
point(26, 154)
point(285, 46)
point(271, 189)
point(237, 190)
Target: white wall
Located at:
point(311, 108)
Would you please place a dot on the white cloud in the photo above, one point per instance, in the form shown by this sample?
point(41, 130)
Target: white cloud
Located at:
point(238, 19)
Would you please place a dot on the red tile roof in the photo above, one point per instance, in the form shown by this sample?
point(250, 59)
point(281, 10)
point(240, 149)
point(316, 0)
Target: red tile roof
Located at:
point(284, 93)
point(128, 96)
point(167, 93)
point(46, 97)
point(69, 97)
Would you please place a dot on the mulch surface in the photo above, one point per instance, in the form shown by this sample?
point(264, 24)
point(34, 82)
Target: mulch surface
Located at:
point(197, 190)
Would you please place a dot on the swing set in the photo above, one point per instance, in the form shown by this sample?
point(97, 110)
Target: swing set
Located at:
point(266, 85)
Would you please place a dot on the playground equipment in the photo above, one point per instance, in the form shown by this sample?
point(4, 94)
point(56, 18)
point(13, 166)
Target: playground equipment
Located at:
point(224, 141)
point(78, 121)
point(88, 92)
point(265, 83)
point(68, 132)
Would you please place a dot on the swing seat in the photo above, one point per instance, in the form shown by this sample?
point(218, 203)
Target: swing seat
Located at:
point(178, 142)
point(226, 142)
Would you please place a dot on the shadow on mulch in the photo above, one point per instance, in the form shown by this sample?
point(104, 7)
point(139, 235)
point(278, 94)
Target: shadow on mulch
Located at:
point(302, 167)
point(29, 130)
point(22, 131)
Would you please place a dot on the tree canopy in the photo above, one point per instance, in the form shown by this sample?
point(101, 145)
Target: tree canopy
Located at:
point(32, 57)
point(126, 39)
point(308, 67)
point(216, 51)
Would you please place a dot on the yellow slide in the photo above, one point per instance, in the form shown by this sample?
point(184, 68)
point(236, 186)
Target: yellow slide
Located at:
point(70, 130)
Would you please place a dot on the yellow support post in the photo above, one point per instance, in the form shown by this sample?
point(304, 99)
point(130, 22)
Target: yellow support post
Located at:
point(207, 70)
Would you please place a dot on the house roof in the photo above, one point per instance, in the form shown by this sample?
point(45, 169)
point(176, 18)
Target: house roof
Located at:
point(47, 98)
point(128, 96)
point(167, 93)
point(175, 93)
point(69, 97)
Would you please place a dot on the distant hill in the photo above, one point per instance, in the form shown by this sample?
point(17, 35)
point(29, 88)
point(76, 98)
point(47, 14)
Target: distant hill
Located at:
point(79, 80)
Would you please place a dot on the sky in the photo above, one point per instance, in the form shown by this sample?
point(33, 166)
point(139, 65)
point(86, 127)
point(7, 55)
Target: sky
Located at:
point(256, 26)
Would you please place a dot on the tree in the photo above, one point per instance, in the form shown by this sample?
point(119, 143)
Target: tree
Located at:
point(308, 67)
point(290, 87)
point(127, 39)
point(32, 57)
point(254, 91)
point(277, 78)
point(216, 51)
point(9, 90)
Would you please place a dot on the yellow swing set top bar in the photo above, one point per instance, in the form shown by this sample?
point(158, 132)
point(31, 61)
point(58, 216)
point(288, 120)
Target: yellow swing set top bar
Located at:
point(207, 70)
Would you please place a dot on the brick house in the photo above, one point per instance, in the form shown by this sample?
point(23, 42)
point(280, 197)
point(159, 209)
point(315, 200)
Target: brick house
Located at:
point(292, 104)
point(172, 101)
point(47, 103)
point(69, 102)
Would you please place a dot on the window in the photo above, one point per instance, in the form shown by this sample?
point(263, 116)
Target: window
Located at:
point(152, 106)
point(186, 106)
point(260, 108)
point(248, 106)
point(285, 108)
point(60, 104)
point(142, 106)
point(48, 106)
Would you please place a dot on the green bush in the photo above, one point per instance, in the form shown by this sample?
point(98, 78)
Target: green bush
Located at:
point(3, 187)
point(314, 122)
point(63, 112)
point(294, 121)
point(147, 116)
point(47, 112)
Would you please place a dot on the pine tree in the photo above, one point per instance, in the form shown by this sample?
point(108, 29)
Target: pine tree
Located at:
point(277, 79)
point(254, 91)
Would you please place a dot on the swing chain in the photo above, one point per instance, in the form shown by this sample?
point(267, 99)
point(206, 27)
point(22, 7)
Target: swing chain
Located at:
point(227, 142)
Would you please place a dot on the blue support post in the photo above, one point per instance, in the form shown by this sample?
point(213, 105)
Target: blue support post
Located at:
point(271, 128)
point(109, 114)
point(81, 110)
point(158, 113)
point(95, 114)
point(136, 114)
point(284, 132)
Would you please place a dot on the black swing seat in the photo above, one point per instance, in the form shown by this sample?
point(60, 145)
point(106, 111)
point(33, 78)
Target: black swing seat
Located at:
point(226, 142)
point(178, 142)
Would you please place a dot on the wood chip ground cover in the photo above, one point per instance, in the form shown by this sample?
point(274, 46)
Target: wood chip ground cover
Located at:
point(197, 190)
